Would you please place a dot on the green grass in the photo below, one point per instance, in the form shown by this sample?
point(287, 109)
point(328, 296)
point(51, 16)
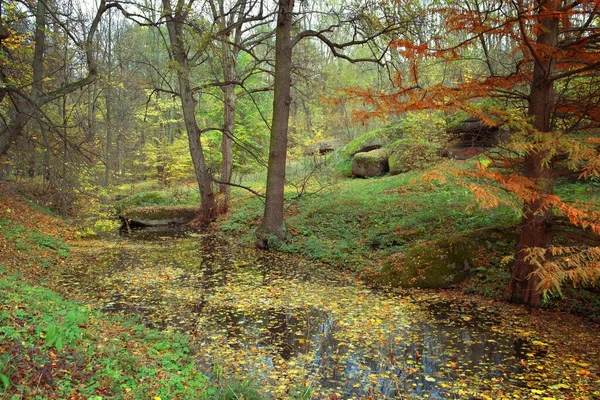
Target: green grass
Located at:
point(32, 242)
point(52, 348)
point(580, 191)
point(355, 222)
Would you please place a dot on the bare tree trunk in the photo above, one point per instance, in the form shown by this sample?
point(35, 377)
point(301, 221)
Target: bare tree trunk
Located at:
point(536, 225)
point(233, 20)
point(188, 103)
point(109, 113)
point(38, 87)
point(272, 224)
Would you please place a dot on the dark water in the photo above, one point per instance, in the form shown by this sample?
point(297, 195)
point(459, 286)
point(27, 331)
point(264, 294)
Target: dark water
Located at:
point(349, 340)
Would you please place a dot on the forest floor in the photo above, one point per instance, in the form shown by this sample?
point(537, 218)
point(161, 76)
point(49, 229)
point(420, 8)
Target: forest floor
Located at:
point(52, 347)
point(223, 320)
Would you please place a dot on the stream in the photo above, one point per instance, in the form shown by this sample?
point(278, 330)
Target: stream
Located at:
point(295, 326)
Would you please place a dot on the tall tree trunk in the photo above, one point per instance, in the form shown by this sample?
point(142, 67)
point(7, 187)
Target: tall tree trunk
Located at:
point(272, 224)
point(229, 20)
point(536, 224)
point(228, 120)
point(109, 113)
point(188, 103)
point(37, 87)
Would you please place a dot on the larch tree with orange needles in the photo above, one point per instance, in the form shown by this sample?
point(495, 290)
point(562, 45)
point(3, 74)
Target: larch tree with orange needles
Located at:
point(539, 59)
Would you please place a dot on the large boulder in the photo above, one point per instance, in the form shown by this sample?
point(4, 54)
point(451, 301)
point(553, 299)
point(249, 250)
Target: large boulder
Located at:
point(158, 216)
point(437, 264)
point(370, 164)
point(371, 140)
point(410, 154)
point(440, 263)
point(474, 133)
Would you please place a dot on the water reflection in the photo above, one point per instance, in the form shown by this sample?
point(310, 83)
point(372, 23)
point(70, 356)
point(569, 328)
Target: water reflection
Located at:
point(171, 281)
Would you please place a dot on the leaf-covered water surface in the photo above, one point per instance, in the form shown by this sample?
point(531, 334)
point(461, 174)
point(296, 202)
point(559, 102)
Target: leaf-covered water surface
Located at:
point(299, 328)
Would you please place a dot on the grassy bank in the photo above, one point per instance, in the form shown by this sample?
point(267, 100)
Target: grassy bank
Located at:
point(355, 223)
point(364, 225)
point(51, 348)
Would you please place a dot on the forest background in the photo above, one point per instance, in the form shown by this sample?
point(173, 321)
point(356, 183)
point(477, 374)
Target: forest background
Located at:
point(106, 101)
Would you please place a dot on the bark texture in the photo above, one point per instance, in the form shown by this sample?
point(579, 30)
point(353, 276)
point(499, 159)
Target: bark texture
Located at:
point(175, 21)
point(272, 224)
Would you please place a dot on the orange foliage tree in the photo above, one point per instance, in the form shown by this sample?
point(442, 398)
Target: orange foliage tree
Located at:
point(534, 67)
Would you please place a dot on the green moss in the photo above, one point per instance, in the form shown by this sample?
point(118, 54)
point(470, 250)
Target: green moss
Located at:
point(412, 154)
point(448, 261)
point(377, 155)
point(381, 136)
point(161, 213)
point(437, 264)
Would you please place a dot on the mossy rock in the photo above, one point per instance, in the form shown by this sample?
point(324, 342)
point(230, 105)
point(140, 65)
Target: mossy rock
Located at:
point(411, 154)
point(156, 216)
point(370, 164)
point(437, 264)
point(371, 140)
point(440, 263)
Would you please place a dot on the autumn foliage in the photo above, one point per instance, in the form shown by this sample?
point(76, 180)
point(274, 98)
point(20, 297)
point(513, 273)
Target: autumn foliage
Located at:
point(534, 69)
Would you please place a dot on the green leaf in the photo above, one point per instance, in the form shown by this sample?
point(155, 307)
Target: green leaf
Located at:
point(6, 382)
point(59, 343)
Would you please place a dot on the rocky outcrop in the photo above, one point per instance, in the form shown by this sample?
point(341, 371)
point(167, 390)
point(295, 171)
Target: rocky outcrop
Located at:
point(409, 154)
point(158, 216)
point(370, 146)
point(471, 137)
point(370, 164)
point(438, 264)
point(372, 140)
point(441, 263)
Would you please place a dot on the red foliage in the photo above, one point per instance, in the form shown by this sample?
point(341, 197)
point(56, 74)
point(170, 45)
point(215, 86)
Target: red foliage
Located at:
point(538, 61)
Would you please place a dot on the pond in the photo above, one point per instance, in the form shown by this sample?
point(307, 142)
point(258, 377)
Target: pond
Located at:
point(295, 326)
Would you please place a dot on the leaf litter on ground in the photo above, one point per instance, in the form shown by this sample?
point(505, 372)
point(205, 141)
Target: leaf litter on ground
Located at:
point(287, 323)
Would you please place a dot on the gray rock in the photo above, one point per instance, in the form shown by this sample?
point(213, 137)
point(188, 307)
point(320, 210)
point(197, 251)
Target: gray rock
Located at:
point(370, 164)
